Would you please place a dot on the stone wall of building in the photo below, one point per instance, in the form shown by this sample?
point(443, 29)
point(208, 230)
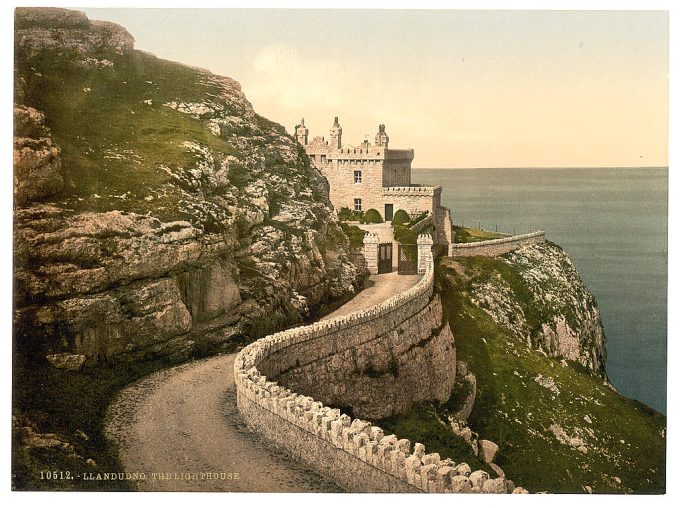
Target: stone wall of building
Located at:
point(443, 227)
point(343, 189)
point(351, 452)
point(413, 200)
point(496, 247)
point(397, 168)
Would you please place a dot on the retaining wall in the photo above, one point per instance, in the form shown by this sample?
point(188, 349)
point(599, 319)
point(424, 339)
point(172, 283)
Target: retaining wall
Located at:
point(353, 453)
point(496, 247)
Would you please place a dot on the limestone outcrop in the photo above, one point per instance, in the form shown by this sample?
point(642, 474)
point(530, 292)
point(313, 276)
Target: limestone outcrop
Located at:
point(155, 212)
point(549, 306)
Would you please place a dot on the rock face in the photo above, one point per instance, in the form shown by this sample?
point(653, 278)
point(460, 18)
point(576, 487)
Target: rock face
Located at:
point(155, 212)
point(548, 306)
point(37, 164)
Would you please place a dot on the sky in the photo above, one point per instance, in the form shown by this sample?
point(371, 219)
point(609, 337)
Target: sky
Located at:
point(463, 88)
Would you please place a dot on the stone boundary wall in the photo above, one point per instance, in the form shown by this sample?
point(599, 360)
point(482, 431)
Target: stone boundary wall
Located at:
point(496, 247)
point(356, 256)
point(356, 455)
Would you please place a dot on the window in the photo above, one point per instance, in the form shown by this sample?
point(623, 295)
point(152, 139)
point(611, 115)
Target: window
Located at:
point(357, 177)
point(357, 204)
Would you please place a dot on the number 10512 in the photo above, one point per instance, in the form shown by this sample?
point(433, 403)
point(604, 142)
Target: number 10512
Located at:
point(56, 475)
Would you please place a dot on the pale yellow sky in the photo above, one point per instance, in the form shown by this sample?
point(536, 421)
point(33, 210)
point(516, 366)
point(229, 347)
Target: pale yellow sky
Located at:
point(463, 88)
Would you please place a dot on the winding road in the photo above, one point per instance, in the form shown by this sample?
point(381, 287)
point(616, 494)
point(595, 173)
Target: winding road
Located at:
point(181, 428)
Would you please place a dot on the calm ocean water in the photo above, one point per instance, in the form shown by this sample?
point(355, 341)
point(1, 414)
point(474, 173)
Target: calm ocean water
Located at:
point(613, 222)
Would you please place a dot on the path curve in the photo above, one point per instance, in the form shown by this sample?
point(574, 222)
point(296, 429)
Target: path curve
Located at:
point(185, 420)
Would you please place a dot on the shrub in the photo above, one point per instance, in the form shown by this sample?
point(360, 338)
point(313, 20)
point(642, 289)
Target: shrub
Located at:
point(405, 235)
point(355, 235)
point(372, 216)
point(401, 217)
point(345, 214)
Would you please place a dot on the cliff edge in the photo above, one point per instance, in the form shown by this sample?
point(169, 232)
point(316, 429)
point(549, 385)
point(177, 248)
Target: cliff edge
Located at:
point(530, 336)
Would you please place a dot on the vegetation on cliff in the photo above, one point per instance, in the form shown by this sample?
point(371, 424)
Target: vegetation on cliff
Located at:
point(157, 217)
point(560, 426)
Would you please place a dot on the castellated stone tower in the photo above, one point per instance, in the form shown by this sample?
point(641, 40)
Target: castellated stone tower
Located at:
point(373, 176)
point(336, 135)
point(382, 139)
point(301, 132)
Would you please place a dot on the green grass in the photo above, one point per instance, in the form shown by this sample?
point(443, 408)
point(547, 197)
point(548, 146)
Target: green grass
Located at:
point(424, 424)
point(468, 235)
point(514, 411)
point(112, 142)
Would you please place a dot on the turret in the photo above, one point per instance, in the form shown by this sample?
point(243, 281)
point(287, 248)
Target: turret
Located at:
point(301, 132)
point(382, 139)
point(336, 135)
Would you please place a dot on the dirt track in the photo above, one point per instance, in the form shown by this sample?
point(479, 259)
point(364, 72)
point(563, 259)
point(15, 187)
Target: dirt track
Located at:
point(184, 420)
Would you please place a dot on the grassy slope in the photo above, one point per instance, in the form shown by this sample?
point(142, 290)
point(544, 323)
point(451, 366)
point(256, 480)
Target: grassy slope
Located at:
point(50, 402)
point(112, 142)
point(513, 410)
point(467, 235)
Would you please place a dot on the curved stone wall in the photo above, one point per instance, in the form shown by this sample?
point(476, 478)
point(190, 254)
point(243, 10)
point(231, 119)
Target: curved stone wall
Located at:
point(351, 452)
point(496, 247)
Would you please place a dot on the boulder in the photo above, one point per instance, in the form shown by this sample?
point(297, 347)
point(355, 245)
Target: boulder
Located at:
point(461, 484)
point(478, 478)
point(487, 450)
point(67, 361)
point(463, 469)
point(496, 469)
point(495, 486)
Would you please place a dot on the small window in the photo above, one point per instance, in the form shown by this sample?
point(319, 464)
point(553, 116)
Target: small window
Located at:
point(357, 204)
point(357, 177)
point(323, 159)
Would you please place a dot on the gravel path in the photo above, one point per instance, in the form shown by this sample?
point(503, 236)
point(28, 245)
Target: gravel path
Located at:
point(378, 289)
point(184, 421)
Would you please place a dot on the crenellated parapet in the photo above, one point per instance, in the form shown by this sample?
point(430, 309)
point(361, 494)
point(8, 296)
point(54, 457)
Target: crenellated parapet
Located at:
point(420, 190)
point(355, 454)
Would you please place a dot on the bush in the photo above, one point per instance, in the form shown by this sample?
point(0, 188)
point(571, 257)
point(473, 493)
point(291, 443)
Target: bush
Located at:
point(405, 235)
point(345, 214)
point(372, 216)
point(355, 235)
point(401, 217)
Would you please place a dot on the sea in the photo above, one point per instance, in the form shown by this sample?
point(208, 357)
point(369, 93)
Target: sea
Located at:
point(614, 224)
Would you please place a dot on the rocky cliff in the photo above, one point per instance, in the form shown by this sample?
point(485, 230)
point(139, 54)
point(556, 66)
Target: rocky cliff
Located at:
point(537, 293)
point(529, 336)
point(155, 212)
